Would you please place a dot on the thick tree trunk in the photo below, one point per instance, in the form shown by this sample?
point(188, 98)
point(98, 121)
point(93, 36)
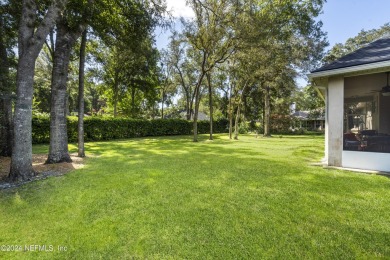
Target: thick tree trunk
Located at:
point(58, 149)
point(80, 126)
point(5, 99)
point(267, 113)
point(21, 162)
point(31, 40)
point(66, 38)
point(210, 105)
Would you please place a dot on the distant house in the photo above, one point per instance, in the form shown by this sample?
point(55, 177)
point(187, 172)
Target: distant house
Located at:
point(357, 119)
point(182, 114)
point(201, 116)
point(309, 120)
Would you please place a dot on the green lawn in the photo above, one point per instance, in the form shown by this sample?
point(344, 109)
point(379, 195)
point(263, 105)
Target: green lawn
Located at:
point(170, 198)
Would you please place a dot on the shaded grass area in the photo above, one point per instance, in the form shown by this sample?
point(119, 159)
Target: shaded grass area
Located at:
point(170, 198)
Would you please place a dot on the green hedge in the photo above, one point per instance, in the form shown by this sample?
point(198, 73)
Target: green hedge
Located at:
point(106, 128)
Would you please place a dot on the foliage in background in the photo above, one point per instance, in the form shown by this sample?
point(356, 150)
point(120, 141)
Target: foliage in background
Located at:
point(354, 43)
point(109, 128)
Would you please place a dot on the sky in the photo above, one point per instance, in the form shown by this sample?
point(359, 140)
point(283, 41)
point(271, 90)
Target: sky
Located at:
point(342, 19)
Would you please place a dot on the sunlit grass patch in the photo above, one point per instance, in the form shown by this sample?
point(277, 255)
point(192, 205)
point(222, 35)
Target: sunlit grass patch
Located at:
point(168, 197)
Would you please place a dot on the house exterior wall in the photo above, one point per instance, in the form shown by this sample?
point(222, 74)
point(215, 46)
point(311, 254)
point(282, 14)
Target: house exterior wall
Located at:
point(366, 161)
point(334, 122)
point(356, 81)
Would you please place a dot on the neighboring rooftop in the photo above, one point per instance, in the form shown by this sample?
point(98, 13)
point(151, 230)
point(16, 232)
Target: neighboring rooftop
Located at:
point(376, 51)
point(309, 115)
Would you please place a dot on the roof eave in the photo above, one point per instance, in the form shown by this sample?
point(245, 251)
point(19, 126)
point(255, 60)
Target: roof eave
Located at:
point(355, 70)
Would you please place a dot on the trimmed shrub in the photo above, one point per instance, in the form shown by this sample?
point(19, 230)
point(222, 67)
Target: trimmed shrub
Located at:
point(40, 129)
point(109, 128)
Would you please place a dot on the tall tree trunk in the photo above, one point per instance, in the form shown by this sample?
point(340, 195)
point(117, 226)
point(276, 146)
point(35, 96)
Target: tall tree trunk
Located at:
point(192, 106)
point(58, 149)
point(230, 112)
point(31, 40)
point(197, 101)
point(5, 98)
point(115, 100)
point(244, 108)
point(66, 38)
point(236, 123)
point(267, 113)
point(227, 102)
point(188, 105)
point(241, 100)
point(115, 96)
point(195, 123)
point(162, 104)
point(210, 104)
point(133, 110)
point(21, 162)
point(187, 91)
point(81, 149)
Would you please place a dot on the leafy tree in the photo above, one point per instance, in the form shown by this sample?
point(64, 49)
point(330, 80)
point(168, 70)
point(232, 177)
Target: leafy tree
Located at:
point(179, 60)
point(69, 29)
point(211, 37)
point(287, 37)
point(167, 86)
point(42, 80)
point(130, 76)
point(309, 99)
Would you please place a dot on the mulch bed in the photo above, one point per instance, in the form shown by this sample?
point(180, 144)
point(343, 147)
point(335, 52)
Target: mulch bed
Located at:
point(43, 170)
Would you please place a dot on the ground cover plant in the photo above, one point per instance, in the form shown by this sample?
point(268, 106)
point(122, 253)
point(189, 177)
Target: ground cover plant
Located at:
point(170, 198)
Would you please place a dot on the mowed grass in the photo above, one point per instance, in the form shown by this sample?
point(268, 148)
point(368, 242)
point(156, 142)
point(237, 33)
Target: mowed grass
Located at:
point(170, 198)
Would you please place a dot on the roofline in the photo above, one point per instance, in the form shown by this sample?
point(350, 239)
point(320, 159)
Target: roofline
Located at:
point(352, 69)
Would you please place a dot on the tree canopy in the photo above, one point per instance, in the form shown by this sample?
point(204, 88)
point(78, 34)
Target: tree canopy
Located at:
point(235, 59)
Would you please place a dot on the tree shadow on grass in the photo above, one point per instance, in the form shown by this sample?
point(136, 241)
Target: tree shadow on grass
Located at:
point(209, 190)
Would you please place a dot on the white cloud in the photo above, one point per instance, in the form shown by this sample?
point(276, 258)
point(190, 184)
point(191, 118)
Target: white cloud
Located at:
point(179, 8)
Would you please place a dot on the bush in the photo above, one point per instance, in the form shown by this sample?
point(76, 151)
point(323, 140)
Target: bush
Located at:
point(280, 124)
point(243, 128)
point(40, 128)
point(108, 128)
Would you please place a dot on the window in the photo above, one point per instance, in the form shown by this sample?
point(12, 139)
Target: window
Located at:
point(358, 114)
point(363, 130)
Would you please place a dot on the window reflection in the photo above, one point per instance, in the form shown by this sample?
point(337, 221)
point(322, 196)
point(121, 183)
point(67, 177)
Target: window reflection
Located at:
point(361, 121)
